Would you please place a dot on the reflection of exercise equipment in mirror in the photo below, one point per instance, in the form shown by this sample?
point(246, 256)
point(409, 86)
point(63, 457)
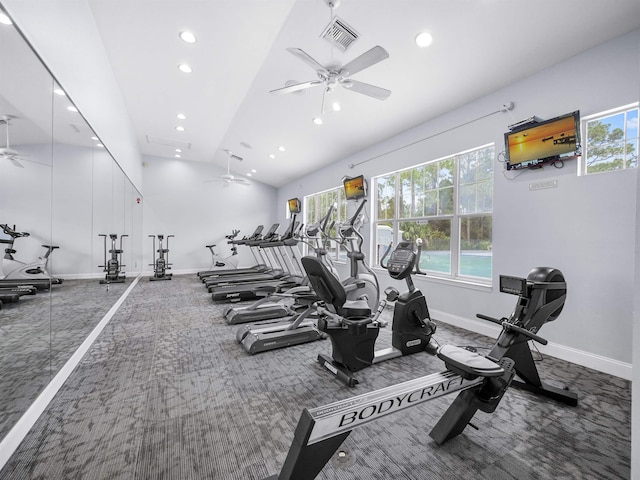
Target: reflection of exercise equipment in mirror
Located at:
point(481, 380)
point(113, 266)
point(15, 269)
point(161, 262)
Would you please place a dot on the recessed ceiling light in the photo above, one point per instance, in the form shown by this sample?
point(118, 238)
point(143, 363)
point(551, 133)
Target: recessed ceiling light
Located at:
point(100, 145)
point(95, 138)
point(188, 37)
point(281, 148)
point(183, 67)
point(336, 106)
point(177, 155)
point(180, 128)
point(4, 19)
point(178, 150)
point(424, 39)
point(71, 108)
point(59, 91)
point(271, 155)
point(253, 170)
point(317, 120)
point(248, 174)
point(181, 116)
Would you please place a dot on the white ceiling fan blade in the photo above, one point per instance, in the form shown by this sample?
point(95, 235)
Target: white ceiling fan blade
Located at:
point(367, 89)
point(297, 87)
point(306, 58)
point(16, 162)
point(371, 57)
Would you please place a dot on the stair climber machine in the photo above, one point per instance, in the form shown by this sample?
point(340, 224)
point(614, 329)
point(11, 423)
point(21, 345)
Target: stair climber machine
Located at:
point(113, 266)
point(219, 263)
point(274, 305)
point(161, 262)
point(287, 273)
point(480, 380)
point(18, 273)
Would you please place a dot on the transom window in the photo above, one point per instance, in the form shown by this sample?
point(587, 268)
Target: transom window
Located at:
point(448, 205)
point(611, 140)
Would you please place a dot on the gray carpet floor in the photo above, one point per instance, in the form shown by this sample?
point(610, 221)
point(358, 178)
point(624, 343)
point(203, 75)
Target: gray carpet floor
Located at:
point(166, 392)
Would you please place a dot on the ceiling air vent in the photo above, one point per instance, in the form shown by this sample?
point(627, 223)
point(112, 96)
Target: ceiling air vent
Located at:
point(168, 142)
point(339, 34)
point(236, 157)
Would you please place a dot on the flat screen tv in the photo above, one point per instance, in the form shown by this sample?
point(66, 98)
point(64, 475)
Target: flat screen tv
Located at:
point(544, 141)
point(355, 188)
point(294, 205)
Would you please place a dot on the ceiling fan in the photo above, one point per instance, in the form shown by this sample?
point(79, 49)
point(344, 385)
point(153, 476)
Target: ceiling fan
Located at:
point(7, 152)
point(330, 76)
point(228, 178)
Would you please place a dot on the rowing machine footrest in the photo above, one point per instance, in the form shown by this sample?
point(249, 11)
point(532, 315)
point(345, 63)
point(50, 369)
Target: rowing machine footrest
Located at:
point(468, 364)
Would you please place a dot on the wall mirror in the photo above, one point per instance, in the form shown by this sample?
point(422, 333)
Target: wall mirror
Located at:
point(63, 188)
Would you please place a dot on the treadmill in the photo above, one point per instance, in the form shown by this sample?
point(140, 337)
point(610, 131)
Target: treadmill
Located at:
point(292, 272)
point(257, 234)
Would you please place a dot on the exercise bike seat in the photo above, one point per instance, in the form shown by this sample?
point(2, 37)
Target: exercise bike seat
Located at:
point(468, 364)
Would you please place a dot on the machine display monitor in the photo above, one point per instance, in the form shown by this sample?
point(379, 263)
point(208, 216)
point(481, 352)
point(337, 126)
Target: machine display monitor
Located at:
point(355, 188)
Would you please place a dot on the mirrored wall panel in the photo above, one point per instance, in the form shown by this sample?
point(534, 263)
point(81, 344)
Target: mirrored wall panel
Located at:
point(67, 212)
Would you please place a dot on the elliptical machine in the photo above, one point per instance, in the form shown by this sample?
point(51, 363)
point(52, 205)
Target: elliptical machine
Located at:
point(161, 262)
point(353, 329)
point(15, 269)
point(113, 266)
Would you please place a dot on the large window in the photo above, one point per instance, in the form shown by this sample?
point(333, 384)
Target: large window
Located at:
point(317, 207)
point(611, 140)
point(447, 204)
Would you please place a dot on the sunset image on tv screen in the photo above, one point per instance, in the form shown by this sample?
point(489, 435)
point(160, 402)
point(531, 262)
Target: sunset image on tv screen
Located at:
point(543, 141)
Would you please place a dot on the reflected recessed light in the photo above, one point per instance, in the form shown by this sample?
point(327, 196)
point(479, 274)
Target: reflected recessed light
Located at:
point(281, 148)
point(99, 145)
point(59, 91)
point(185, 68)
point(248, 174)
point(271, 155)
point(181, 116)
point(188, 37)
point(71, 108)
point(180, 128)
point(424, 39)
point(5, 20)
point(317, 120)
point(177, 155)
point(253, 170)
point(95, 138)
point(178, 150)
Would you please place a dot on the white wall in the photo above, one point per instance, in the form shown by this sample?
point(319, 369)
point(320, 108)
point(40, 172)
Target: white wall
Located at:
point(178, 201)
point(585, 227)
point(78, 61)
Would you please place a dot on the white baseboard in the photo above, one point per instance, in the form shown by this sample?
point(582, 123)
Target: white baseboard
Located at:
point(606, 365)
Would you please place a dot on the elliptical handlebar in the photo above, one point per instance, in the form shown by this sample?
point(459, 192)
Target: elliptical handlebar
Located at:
point(511, 327)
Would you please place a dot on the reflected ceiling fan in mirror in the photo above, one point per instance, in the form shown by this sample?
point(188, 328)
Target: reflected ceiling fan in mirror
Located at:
point(228, 178)
point(331, 76)
point(6, 151)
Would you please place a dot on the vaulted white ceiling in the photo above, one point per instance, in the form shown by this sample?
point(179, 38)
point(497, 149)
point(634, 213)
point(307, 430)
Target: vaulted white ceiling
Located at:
point(240, 55)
